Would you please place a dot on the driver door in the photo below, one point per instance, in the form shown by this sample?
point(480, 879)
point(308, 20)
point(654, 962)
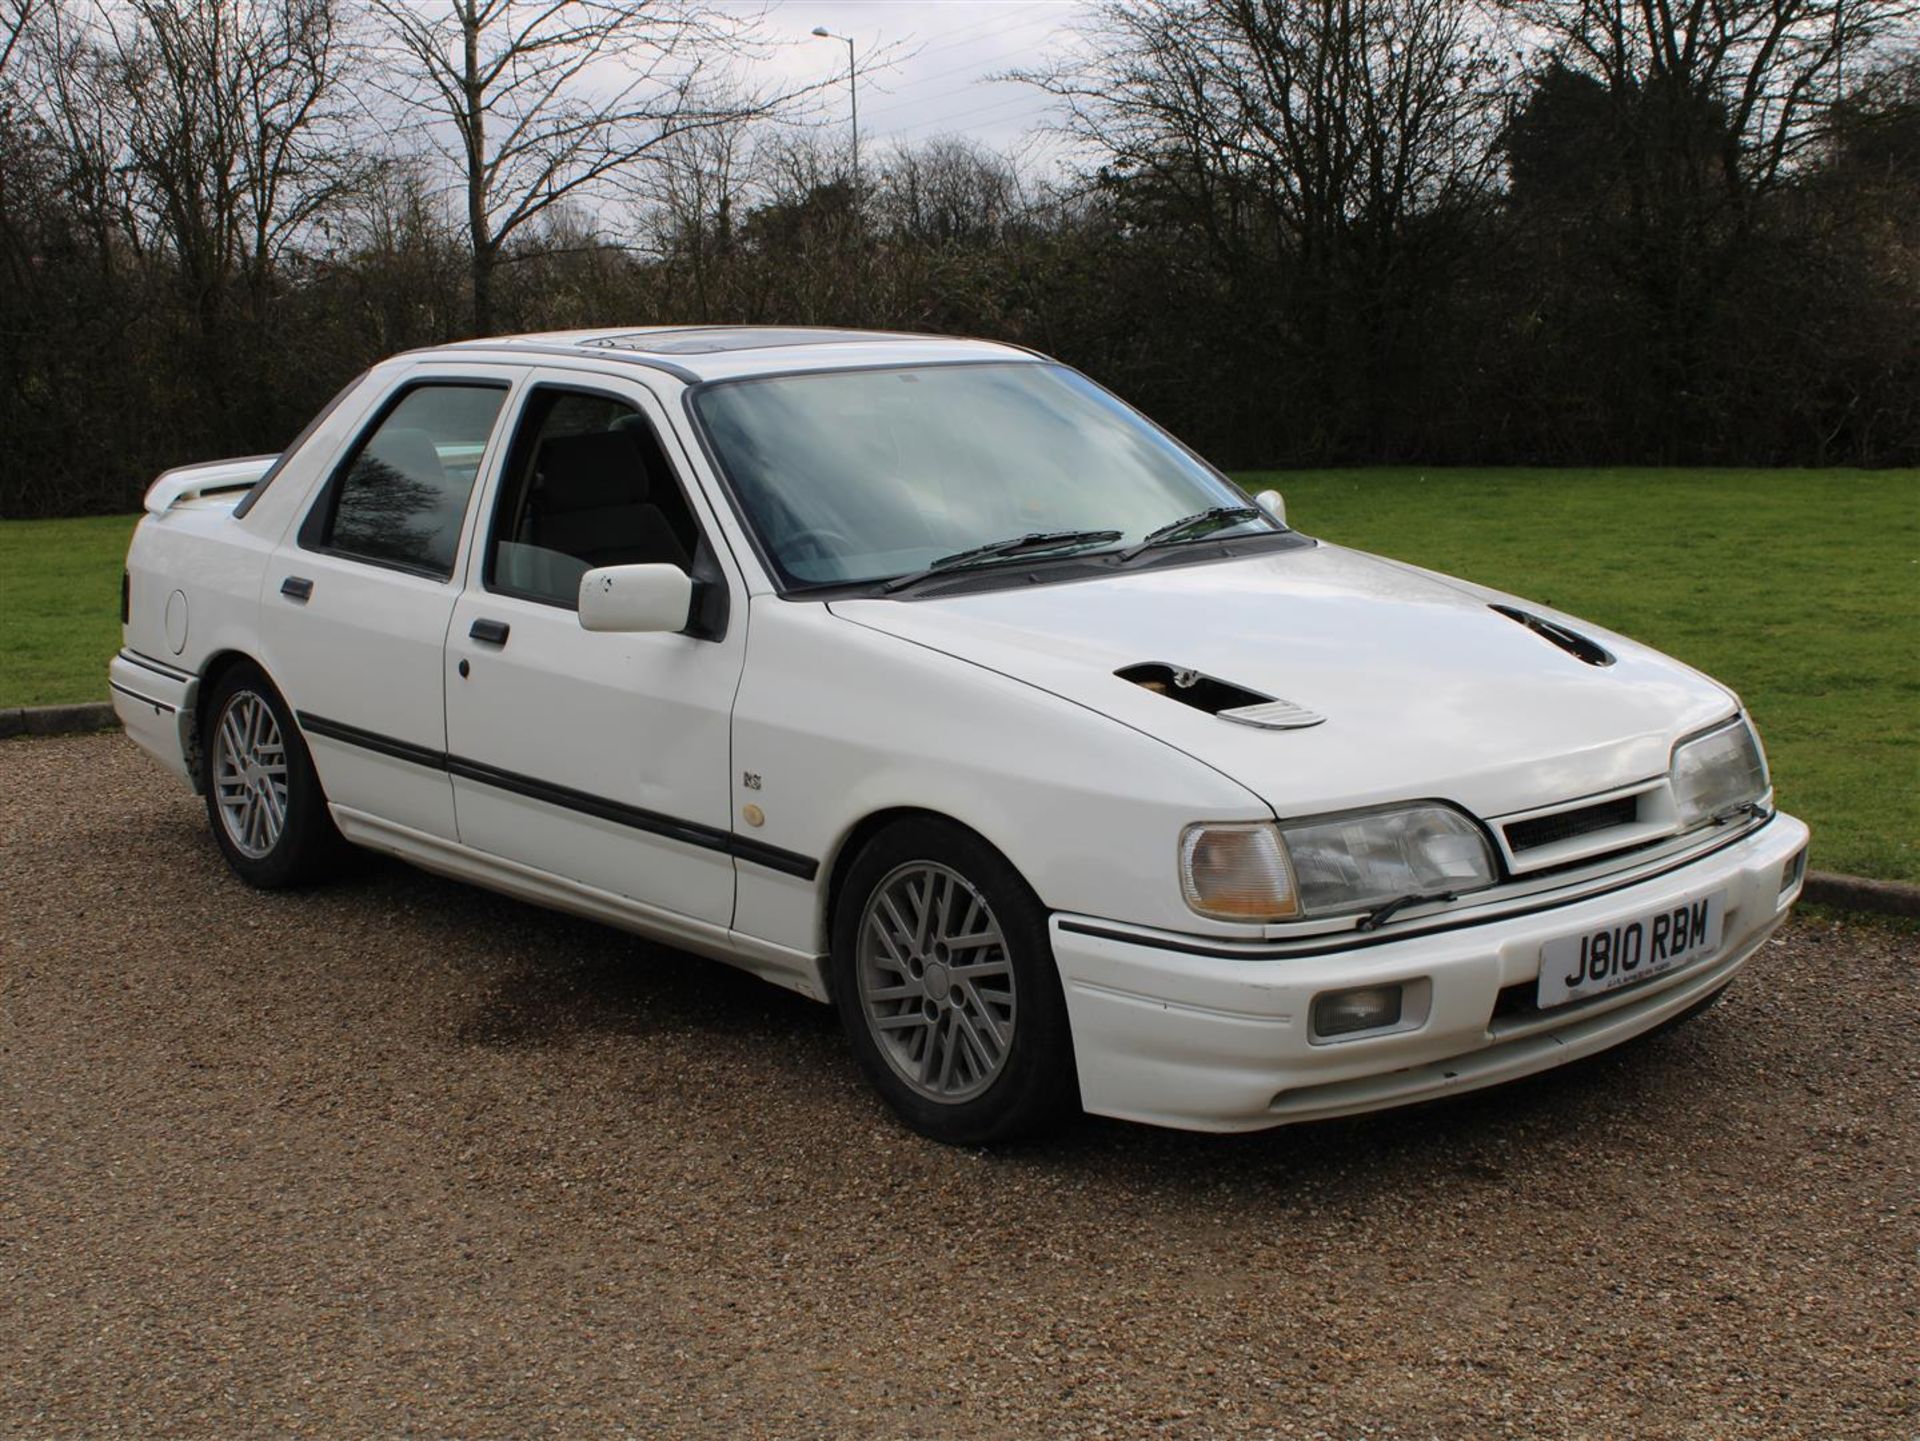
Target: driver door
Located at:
point(601, 758)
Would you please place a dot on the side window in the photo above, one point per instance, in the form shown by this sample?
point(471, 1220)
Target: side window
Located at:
point(400, 497)
point(586, 485)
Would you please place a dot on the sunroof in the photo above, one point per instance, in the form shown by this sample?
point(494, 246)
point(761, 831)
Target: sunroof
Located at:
point(713, 341)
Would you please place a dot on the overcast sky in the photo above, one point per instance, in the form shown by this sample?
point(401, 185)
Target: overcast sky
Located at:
point(945, 51)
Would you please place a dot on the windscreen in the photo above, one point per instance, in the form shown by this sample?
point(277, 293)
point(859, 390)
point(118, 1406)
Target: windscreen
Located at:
point(862, 475)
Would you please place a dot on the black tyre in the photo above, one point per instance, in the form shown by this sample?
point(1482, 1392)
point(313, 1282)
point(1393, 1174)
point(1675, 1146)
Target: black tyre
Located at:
point(945, 982)
point(264, 801)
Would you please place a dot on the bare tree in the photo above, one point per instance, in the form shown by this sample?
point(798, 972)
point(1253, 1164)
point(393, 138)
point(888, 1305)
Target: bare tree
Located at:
point(1754, 77)
point(1317, 153)
point(15, 17)
point(77, 94)
point(694, 197)
point(536, 102)
point(1326, 118)
point(405, 258)
point(1646, 162)
point(190, 147)
point(238, 130)
point(948, 191)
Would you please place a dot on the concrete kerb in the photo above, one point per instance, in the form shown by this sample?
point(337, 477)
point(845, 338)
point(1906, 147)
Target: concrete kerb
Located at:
point(57, 720)
point(1858, 893)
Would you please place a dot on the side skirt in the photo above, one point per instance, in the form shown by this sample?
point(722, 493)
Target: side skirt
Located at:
point(791, 969)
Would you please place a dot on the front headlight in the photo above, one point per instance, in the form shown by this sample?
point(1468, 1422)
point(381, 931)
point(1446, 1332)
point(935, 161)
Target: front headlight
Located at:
point(1717, 773)
point(1358, 862)
point(1264, 872)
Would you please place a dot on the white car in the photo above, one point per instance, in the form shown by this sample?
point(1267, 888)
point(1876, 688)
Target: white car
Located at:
point(925, 677)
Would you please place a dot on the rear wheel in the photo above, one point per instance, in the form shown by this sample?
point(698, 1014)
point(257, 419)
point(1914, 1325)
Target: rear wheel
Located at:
point(946, 986)
point(264, 801)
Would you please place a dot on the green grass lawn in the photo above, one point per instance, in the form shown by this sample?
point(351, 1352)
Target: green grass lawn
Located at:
point(59, 607)
point(1800, 589)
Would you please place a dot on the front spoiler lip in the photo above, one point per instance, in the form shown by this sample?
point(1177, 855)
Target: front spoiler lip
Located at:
point(1517, 1054)
point(1331, 943)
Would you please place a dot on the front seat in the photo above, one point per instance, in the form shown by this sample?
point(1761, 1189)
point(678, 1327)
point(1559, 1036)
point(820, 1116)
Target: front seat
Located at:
point(593, 499)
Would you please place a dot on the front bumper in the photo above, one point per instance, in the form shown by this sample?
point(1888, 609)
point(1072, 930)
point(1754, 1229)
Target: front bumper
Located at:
point(1167, 1034)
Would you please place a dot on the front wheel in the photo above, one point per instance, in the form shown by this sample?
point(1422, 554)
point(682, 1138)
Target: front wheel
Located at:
point(946, 986)
point(264, 801)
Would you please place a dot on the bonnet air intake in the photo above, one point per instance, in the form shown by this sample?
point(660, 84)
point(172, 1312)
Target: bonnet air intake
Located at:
point(1222, 698)
point(1570, 641)
point(1191, 688)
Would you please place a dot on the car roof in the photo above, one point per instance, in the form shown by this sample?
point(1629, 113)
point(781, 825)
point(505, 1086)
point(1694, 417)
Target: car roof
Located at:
point(697, 353)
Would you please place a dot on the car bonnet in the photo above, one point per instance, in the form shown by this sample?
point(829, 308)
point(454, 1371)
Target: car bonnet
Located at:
point(1412, 686)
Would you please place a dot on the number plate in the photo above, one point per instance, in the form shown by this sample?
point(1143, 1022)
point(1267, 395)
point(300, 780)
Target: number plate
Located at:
point(1591, 963)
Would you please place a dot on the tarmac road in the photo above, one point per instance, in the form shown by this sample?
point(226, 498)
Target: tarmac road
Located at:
point(399, 1157)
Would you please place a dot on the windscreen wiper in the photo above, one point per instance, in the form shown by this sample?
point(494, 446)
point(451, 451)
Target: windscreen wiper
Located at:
point(1028, 544)
point(1380, 915)
point(1192, 527)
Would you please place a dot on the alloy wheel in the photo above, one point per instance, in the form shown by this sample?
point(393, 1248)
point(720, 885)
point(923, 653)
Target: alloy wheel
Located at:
point(936, 981)
point(250, 774)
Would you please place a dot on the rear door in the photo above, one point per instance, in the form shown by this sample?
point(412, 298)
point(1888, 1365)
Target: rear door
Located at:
point(598, 757)
point(358, 595)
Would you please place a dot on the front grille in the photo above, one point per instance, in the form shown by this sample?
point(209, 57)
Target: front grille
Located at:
point(1538, 831)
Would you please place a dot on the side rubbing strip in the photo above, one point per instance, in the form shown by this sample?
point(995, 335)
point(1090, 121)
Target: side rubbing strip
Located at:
point(773, 858)
point(372, 741)
point(691, 833)
point(147, 662)
point(143, 699)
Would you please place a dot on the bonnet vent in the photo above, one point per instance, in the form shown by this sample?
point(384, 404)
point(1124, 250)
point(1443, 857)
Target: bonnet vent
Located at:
point(1222, 698)
point(1274, 715)
point(1570, 641)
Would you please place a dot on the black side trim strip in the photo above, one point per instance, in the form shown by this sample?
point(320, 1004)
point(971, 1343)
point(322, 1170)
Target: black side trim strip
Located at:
point(133, 657)
point(143, 699)
point(773, 858)
point(691, 833)
point(1351, 941)
point(372, 741)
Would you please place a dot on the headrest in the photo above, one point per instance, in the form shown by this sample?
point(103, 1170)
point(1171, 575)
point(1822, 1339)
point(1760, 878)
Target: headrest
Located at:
point(586, 472)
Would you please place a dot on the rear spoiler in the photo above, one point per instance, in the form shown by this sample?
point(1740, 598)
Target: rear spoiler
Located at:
point(186, 482)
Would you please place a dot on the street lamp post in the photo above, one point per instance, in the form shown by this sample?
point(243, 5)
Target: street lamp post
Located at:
point(853, 98)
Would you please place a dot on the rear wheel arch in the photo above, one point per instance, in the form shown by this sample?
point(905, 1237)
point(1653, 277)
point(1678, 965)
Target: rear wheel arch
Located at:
point(222, 661)
point(289, 836)
point(212, 671)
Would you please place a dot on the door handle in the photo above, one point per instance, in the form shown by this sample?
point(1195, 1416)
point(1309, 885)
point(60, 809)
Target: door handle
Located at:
point(296, 587)
point(491, 632)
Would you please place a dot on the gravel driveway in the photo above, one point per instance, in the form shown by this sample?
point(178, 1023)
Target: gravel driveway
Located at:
point(400, 1157)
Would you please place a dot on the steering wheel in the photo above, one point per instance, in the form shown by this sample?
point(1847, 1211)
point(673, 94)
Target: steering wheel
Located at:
point(818, 539)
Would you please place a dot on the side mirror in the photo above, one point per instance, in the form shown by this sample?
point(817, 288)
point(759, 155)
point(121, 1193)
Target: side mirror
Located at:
point(1272, 504)
point(636, 598)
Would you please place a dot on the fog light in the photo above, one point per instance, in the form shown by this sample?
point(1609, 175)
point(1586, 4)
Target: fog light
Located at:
point(1795, 871)
point(1341, 1013)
